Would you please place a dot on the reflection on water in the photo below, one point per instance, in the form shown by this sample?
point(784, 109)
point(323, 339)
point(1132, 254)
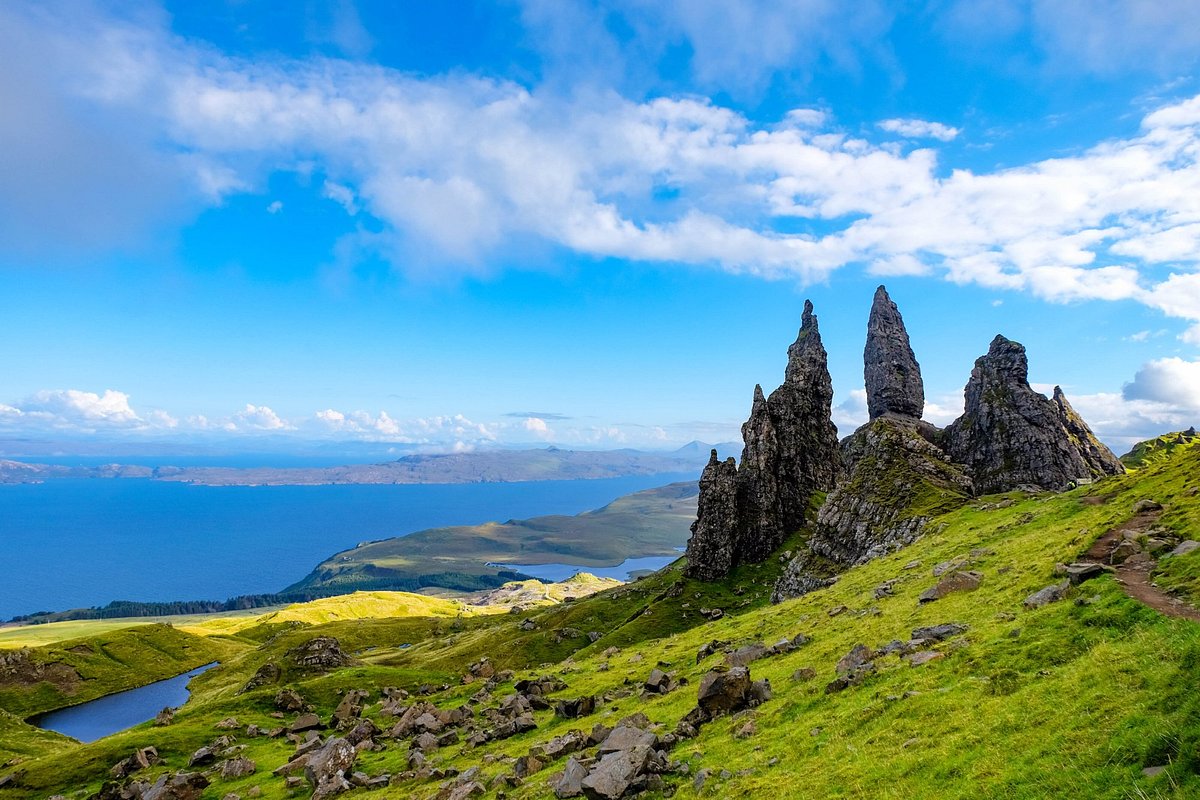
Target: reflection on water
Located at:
point(107, 715)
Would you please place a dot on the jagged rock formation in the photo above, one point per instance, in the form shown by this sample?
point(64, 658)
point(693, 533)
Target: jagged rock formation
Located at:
point(897, 477)
point(892, 374)
point(791, 450)
point(715, 531)
point(1010, 435)
point(898, 480)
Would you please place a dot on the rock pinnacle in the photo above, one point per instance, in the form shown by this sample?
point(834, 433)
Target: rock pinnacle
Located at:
point(893, 376)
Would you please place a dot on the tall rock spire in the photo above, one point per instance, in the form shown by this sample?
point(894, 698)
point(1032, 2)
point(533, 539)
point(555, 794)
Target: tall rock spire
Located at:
point(1009, 435)
point(791, 450)
point(710, 551)
point(893, 376)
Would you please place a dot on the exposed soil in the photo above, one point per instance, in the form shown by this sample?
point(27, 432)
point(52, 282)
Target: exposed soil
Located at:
point(1134, 573)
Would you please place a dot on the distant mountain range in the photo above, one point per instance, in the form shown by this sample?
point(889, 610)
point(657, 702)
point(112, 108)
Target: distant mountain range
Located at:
point(492, 466)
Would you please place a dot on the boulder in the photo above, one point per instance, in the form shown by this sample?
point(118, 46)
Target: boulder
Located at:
point(616, 773)
point(290, 701)
point(327, 768)
point(569, 782)
point(724, 691)
point(179, 786)
point(575, 708)
point(238, 768)
point(306, 722)
point(936, 633)
point(1079, 572)
point(1051, 594)
point(957, 581)
point(319, 655)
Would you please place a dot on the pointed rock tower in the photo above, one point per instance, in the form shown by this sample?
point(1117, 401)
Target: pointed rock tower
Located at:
point(791, 450)
point(893, 376)
point(896, 479)
point(715, 531)
point(1010, 435)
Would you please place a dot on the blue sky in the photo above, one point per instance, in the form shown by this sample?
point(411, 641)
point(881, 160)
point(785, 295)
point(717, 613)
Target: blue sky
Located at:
point(455, 225)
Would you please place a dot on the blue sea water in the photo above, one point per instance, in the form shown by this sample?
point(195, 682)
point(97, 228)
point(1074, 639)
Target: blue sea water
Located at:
point(79, 543)
point(106, 715)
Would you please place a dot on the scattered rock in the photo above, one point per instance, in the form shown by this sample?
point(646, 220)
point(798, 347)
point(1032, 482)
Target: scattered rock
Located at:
point(238, 768)
point(1051, 594)
point(804, 674)
point(1183, 548)
point(290, 701)
point(569, 782)
point(957, 581)
point(306, 722)
point(319, 655)
point(924, 657)
point(937, 633)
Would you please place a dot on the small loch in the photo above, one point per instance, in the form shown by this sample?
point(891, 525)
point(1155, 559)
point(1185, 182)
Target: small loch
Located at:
point(113, 713)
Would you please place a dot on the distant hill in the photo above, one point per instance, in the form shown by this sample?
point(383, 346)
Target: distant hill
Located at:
point(492, 466)
point(1158, 447)
point(653, 522)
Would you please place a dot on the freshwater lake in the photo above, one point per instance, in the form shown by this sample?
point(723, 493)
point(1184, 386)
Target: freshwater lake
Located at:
point(106, 715)
point(84, 542)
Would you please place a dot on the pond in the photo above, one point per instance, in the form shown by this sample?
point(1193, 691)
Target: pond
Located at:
point(113, 713)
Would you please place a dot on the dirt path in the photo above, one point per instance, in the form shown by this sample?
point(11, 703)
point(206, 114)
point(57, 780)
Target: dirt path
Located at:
point(1134, 573)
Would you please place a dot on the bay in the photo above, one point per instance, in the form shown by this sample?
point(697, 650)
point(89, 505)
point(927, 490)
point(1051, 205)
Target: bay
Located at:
point(80, 543)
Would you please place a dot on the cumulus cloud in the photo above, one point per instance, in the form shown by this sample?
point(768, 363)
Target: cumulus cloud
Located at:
point(454, 168)
point(81, 411)
point(256, 418)
point(920, 129)
point(1171, 381)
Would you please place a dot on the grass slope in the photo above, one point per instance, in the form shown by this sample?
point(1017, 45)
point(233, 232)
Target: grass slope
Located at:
point(1073, 699)
point(648, 523)
point(44, 678)
point(1157, 448)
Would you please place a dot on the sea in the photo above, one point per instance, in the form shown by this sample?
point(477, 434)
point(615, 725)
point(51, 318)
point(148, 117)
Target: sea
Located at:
point(74, 543)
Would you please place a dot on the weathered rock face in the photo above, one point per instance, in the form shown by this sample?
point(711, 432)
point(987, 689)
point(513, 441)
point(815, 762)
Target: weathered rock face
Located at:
point(1100, 460)
point(801, 415)
point(1009, 435)
point(791, 450)
point(893, 376)
point(714, 533)
point(899, 480)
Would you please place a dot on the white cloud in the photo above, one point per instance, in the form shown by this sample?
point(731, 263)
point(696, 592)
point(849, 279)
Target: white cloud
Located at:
point(275, 207)
point(1171, 381)
point(538, 427)
point(920, 129)
point(453, 168)
point(342, 195)
point(255, 418)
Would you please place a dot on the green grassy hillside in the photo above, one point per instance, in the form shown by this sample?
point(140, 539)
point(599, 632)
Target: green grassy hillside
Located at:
point(648, 523)
point(1091, 696)
point(1157, 448)
point(38, 679)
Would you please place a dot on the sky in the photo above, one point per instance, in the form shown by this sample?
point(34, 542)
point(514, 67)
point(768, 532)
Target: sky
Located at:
point(457, 225)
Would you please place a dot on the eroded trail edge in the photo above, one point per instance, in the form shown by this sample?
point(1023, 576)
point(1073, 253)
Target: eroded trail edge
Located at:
point(1133, 570)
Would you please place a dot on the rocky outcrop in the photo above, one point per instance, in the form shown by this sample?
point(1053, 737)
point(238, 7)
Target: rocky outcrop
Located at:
point(714, 533)
point(898, 481)
point(1010, 435)
point(1100, 460)
point(790, 451)
point(892, 374)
